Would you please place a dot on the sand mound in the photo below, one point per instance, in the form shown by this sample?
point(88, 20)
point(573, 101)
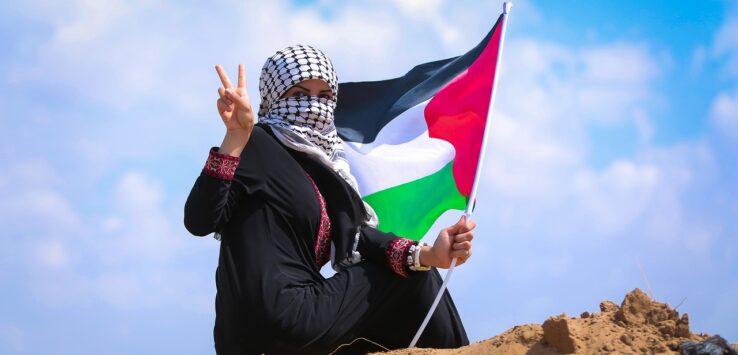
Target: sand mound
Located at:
point(639, 325)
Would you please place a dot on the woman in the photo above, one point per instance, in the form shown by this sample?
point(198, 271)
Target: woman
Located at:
point(282, 200)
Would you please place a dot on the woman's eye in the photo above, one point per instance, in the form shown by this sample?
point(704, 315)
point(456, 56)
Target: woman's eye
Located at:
point(298, 94)
point(324, 96)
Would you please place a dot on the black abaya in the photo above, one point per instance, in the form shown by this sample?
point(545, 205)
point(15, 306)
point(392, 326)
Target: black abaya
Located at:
point(271, 297)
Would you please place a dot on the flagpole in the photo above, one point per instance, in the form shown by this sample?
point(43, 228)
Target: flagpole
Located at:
point(473, 195)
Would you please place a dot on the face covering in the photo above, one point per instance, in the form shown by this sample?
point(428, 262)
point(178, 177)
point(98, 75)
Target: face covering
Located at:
point(309, 120)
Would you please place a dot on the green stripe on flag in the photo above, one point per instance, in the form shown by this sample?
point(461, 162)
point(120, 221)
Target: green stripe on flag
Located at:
point(410, 209)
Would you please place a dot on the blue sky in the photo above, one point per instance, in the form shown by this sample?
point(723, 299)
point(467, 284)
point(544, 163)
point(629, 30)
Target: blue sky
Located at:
point(613, 162)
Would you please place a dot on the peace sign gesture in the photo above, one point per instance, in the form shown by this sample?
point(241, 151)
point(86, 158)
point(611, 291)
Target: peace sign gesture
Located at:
point(234, 106)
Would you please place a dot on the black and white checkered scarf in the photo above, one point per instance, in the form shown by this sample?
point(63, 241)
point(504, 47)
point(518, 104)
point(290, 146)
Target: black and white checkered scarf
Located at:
point(309, 117)
point(304, 123)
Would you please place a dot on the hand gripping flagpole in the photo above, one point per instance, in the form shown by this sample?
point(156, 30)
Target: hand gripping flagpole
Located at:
point(472, 197)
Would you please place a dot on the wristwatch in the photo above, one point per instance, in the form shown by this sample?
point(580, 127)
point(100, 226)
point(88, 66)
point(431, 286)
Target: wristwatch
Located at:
point(413, 258)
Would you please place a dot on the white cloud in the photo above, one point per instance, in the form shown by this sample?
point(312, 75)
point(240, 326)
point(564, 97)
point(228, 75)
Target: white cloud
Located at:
point(625, 187)
point(357, 40)
point(724, 109)
point(52, 254)
point(48, 205)
point(419, 8)
point(122, 54)
point(140, 228)
point(92, 20)
point(724, 114)
point(726, 43)
point(137, 193)
point(93, 155)
point(549, 82)
point(430, 12)
point(124, 290)
point(521, 152)
point(140, 246)
point(38, 203)
point(700, 240)
point(539, 162)
point(132, 245)
point(619, 64)
point(111, 224)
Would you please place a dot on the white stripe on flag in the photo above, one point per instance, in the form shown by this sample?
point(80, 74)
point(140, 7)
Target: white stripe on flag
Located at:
point(402, 152)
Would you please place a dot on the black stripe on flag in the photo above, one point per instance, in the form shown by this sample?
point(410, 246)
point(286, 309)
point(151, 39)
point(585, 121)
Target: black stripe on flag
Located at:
point(364, 108)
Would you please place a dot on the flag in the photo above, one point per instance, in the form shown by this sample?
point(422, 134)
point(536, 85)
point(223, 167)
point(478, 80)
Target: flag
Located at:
point(413, 142)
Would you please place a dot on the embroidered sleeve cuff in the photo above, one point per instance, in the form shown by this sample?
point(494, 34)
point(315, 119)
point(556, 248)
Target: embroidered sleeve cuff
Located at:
point(222, 166)
point(397, 255)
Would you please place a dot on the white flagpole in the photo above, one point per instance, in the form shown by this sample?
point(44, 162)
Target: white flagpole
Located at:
point(472, 197)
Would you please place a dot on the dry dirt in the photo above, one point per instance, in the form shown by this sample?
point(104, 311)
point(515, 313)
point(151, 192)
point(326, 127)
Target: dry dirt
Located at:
point(639, 325)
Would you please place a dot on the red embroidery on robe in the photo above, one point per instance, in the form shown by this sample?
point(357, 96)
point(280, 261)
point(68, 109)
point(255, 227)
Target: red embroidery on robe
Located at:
point(323, 239)
point(222, 166)
point(397, 255)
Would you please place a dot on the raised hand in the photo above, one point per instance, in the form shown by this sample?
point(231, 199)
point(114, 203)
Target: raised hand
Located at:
point(234, 105)
point(235, 109)
point(452, 242)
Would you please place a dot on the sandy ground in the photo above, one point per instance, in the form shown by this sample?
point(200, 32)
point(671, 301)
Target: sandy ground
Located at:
point(639, 325)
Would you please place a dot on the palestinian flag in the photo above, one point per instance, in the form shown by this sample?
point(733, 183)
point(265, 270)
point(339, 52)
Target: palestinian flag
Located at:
point(413, 142)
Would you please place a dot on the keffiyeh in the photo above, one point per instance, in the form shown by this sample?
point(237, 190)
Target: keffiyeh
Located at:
point(308, 117)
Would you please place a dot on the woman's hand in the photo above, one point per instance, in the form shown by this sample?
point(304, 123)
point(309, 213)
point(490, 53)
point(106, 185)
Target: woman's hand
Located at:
point(236, 112)
point(452, 242)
